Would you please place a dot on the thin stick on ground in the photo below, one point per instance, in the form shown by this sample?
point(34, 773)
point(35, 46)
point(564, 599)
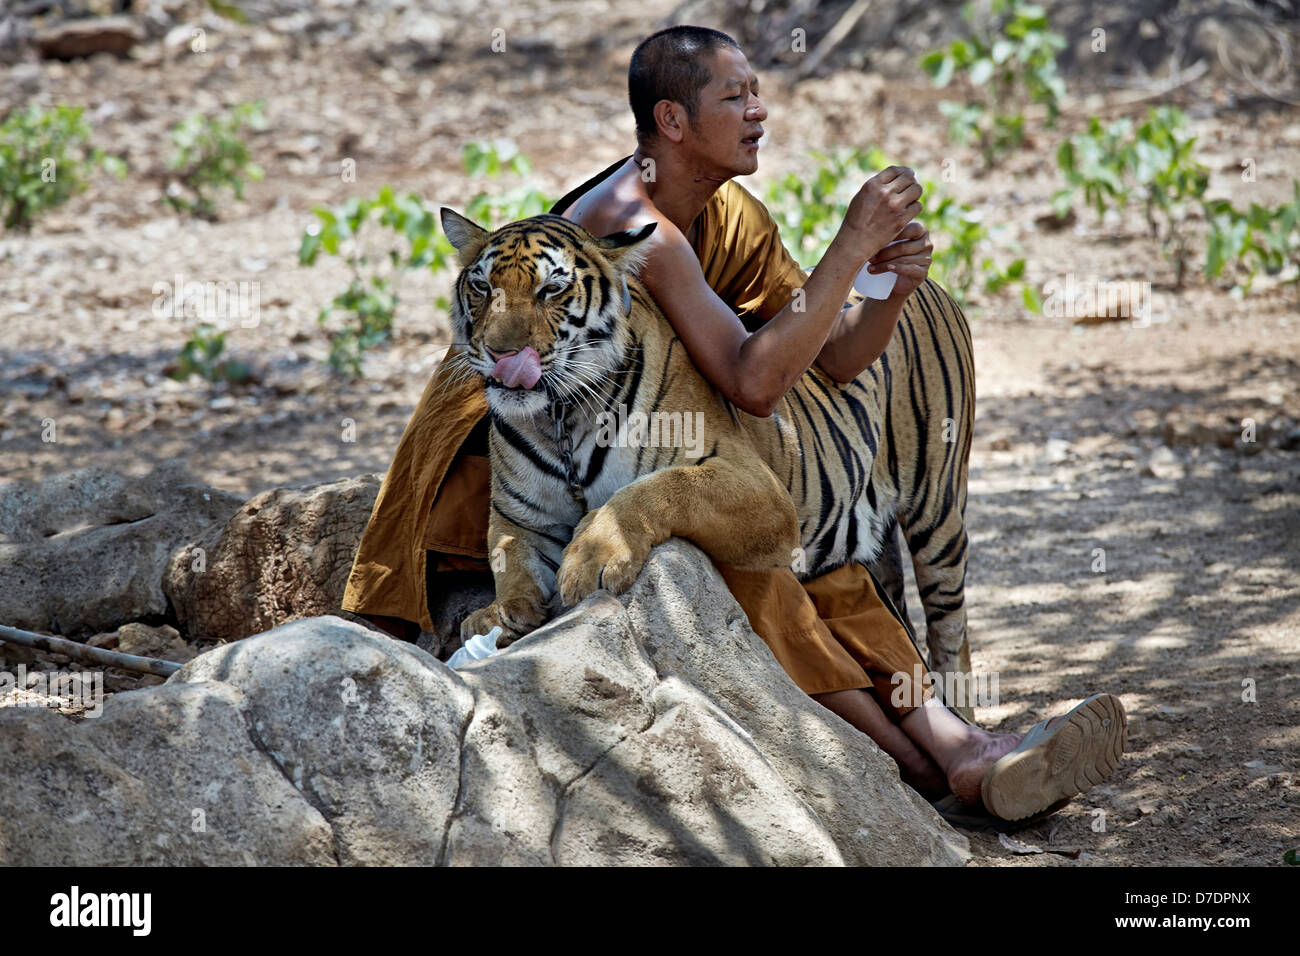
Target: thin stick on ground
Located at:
point(88, 654)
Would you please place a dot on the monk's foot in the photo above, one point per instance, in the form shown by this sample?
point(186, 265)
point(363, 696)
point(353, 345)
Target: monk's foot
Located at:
point(966, 775)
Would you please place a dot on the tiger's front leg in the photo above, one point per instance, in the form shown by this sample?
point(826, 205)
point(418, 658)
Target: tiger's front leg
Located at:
point(735, 510)
point(522, 563)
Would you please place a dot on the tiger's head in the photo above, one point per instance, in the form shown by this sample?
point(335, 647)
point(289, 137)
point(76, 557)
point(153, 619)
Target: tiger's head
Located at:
point(540, 308)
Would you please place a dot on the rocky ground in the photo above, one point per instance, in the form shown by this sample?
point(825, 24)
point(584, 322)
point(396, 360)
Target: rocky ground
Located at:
point(1125, 536)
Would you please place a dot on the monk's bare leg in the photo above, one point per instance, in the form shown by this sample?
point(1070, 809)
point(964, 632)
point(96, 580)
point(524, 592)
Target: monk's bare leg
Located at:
point(859, 708)
point(936, 751)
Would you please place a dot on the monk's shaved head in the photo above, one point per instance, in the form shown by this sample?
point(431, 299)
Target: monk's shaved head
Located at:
point(672, 64)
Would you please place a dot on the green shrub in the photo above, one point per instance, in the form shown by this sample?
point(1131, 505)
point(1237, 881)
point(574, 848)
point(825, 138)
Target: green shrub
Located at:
point(490, 160)
point(809, 211)
point(1095, 162)
point(1013, 65)
point(1172, 183)
point(45, 159)
point(1153, 162)
point(210, 157)
point(201, 355)
point(1261, 238)
point(369, 302)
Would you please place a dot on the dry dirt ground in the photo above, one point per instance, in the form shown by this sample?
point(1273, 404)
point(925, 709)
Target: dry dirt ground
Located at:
point(1125, 537)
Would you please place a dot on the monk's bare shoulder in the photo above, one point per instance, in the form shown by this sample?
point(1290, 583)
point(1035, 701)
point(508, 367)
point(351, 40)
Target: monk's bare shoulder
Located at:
point(618, 203)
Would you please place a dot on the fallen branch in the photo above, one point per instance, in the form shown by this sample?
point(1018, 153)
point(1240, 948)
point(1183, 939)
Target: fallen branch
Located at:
point(88, 654)
point(842, 28)
point(1180, 79)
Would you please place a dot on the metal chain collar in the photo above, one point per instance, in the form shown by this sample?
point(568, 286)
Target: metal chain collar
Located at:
point(563, 443)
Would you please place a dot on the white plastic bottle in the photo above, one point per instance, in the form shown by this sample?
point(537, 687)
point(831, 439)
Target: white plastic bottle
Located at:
point(876, 285)
point(476, 648)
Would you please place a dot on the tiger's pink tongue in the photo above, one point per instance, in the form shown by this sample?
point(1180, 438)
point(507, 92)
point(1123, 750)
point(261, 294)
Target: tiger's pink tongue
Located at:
point(523, 368)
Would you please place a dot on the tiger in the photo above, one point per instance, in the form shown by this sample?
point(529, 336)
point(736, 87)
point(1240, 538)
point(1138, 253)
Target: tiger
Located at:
point(558, 326)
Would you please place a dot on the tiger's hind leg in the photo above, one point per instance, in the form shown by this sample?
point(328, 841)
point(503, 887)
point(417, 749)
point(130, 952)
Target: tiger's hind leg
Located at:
point(932, 397)
point(939, 562)
point(888, 569)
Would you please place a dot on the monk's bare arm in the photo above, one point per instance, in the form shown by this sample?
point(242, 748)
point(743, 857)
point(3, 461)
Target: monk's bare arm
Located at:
point(754, 371)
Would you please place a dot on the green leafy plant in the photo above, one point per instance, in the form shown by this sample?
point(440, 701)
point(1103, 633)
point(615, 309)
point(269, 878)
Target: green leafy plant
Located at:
point(810, 209)
point(1275, 236)
point(228, 10)
point(1229, 238)
point(45, 159)
point(1261, 238)
point(201, 355)
point(1152, 161)
point(1172, 183)
point(490, 160)
point(1095, 162)
point(964, 259)
point(1013, 65)
point(369, 302)
point(209, 157)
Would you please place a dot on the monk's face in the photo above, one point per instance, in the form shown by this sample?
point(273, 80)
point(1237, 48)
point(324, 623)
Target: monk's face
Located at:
point(729, 118)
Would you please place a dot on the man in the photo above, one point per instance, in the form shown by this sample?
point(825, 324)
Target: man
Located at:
point(716, 266)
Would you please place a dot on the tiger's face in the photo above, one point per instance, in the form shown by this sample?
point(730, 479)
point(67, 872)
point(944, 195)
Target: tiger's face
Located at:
point(540, 308)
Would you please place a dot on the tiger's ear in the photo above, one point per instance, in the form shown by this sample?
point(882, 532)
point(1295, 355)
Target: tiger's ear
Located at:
point(621, 249)
point(466, 235)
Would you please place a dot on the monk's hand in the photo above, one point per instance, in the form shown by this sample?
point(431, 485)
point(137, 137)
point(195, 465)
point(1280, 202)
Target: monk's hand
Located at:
point(909, 259)
point(877, 213)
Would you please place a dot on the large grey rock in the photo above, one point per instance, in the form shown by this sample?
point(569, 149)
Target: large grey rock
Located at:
point(608, 761)
point(651, 729)
point(286, 554)
point(172, 775)
point(84, 552)
point(367, 728)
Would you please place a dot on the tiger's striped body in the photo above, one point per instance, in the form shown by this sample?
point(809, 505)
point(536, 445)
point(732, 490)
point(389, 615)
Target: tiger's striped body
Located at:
point(821, 482)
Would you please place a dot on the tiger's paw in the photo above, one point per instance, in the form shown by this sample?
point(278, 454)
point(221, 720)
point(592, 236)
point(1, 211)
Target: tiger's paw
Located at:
point(515, 618)
point(602, 554)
